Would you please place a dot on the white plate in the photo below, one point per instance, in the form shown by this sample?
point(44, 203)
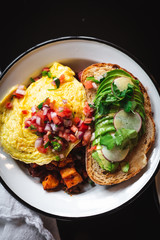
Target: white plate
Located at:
point(77, 52)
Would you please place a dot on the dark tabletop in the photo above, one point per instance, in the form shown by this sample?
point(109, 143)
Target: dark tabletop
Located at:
point(131, 25)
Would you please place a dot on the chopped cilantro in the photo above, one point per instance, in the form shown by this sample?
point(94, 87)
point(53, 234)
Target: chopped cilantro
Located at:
point(49, 74)
point(56, 146)
point(32, 80)
point(57, 158)
point(44, 73)
point(40, 105)
point(32, 127)
point(108, 141)
point(46, 145)
point(57, 82)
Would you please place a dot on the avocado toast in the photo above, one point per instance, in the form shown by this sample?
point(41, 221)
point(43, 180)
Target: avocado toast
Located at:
point(123, 130)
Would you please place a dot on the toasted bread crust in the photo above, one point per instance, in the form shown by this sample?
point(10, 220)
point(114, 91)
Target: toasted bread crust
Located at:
point(137, 157)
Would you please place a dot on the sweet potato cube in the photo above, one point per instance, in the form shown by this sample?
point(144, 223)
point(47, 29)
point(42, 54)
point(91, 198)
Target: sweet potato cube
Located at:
point(50, 182)
point(70, 177)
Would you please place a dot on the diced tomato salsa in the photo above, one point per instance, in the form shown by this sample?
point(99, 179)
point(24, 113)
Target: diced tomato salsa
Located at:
point(56, 127)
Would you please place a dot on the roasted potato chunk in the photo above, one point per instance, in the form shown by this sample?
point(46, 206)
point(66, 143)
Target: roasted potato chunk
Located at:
point(70, 177)
point(50, 182)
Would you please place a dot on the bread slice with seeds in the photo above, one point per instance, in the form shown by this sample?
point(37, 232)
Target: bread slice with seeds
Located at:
point(137, 158)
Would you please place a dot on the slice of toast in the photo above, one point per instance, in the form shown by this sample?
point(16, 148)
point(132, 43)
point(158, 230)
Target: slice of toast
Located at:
point(137, 158)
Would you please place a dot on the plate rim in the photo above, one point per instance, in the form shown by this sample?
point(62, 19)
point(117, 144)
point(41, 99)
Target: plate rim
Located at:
point(94, 39)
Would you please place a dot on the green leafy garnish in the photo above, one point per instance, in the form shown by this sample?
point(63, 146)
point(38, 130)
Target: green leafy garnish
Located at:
point(57, 158)
point(108, 141)
point(130, 106)
point(49, 74)
point(92, 79)
point(40, 105)
point(45, 73)
point(57, 82)
point(56, 146)
point(127, 93)
point(46, 145)
point(122, 138)
point(32, 80)
point(32, 127)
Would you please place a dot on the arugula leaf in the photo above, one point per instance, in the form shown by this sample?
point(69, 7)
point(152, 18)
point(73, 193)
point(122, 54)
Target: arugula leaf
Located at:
point(127, 106)
point(127, 93)
point(108, 141)
point(102, 108)
point(130, 106)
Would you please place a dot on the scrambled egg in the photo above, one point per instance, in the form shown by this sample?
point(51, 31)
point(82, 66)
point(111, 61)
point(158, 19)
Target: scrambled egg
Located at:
point(19, 141)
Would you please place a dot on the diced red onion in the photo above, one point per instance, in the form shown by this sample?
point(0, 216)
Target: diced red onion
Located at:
point(60, 109)
point(33, 109)
point(54, 127)
point(99, 77)
point(46, 105)
point(38, 142)
point(79, 134)
point(80, 123)
point(38, 120)
point(93, 136)
point(53, 114)
point(61, 155)
point(53, 83)
point(45, 110)
point(22, 87)
point(47, 127)
point(94, 85)
point(20, 91)
point(64, 101)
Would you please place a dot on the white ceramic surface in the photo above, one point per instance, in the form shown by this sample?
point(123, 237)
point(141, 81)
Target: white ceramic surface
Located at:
point(77, 53)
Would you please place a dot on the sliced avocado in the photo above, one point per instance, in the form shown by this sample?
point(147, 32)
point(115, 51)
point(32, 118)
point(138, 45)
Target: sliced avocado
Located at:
point(97, 158)
point(105, 83)
point(103, 163)
point(109, 116)
point(105, 123)
point(111, 75)
point(96, 141)
point(118, 72)
point(106, 128)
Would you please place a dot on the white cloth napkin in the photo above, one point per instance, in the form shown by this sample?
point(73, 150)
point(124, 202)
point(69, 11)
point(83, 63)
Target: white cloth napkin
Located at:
point(18, 222)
